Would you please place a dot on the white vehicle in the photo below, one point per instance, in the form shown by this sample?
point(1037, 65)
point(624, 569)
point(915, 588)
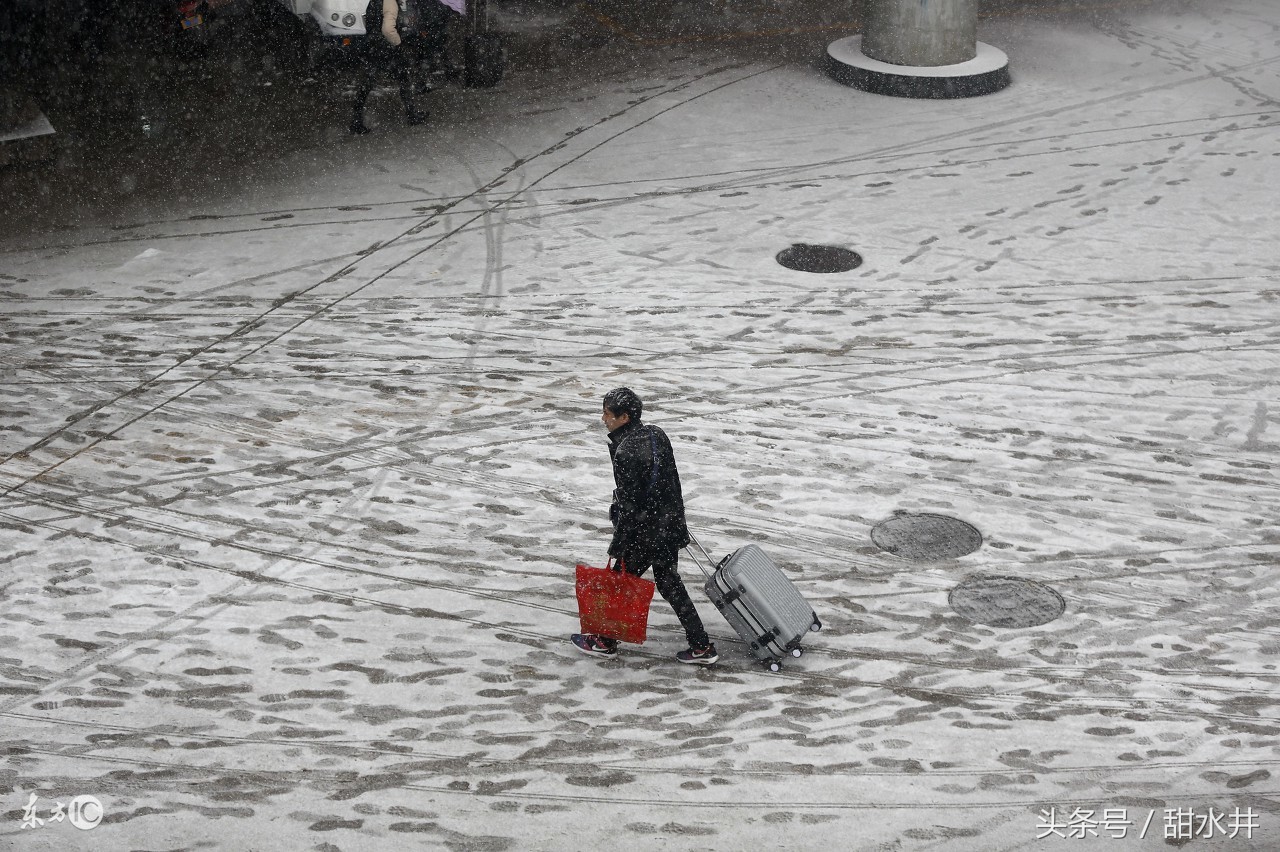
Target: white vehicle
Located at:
point(328, 33)
point(333, 18)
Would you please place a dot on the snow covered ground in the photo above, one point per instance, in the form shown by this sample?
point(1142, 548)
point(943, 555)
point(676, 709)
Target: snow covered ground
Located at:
point(297, 467)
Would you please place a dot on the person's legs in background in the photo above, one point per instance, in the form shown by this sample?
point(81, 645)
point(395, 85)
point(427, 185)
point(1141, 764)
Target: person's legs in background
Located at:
point(417, 48)
point(400, 63)
point(373, 60)
point(366, 78)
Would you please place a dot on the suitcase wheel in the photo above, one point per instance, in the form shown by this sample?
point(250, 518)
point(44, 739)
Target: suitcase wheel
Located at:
point(773, 665)
point(816, 626)
point(795, 652)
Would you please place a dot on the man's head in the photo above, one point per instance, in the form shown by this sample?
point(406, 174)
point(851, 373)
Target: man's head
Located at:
point(621, 406)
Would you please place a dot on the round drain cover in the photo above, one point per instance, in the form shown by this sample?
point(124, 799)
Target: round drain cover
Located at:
point(803, 257)
point(926, 537)
point(1006, 601)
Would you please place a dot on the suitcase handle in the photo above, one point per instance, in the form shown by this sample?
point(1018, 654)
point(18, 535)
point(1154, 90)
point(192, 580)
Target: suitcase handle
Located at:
point(694, 556)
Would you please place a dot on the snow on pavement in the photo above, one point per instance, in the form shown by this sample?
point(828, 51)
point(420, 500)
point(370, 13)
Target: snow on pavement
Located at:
point(295, 475)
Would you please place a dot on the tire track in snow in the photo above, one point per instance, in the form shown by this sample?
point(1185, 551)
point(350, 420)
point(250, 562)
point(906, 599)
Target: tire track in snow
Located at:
point(451, 202)
point(293, 326)
point(672, 405)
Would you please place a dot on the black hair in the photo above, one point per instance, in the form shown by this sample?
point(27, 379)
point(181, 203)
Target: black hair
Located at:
point(624, 401)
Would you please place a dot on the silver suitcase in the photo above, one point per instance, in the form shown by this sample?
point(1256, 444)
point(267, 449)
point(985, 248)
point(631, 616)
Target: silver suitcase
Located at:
point(760, 603)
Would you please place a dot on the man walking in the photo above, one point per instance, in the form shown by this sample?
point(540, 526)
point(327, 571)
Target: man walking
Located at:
point(648, 520)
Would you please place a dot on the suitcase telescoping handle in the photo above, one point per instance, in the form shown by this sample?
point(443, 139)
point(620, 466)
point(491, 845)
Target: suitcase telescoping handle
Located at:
point(694, 556)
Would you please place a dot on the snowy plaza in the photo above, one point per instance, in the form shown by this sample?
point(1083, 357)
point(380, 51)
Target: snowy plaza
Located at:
point(298, 461)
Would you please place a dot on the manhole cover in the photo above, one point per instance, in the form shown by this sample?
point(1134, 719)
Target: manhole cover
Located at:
point(926, 537)
point(1006, 601)
point(803, 257)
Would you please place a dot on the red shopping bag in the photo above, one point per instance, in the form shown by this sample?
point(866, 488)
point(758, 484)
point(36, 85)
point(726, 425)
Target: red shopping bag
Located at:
point(614, 604)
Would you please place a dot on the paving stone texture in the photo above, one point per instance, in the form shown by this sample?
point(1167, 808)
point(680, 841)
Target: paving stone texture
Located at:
point(296, 470)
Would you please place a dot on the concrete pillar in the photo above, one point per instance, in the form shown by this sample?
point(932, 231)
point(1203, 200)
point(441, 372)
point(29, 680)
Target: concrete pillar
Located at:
point(919, 49)
point(920, 32)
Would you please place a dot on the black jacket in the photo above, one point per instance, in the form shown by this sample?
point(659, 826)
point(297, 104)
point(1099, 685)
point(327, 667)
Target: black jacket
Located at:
point(648, 506)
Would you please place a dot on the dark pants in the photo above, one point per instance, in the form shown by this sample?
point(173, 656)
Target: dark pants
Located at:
point(667, 578)
point(380, 56)
point(434, 25)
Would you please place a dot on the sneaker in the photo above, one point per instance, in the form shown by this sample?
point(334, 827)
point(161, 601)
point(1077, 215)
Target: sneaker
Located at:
point(599, 646)
point(699, 656)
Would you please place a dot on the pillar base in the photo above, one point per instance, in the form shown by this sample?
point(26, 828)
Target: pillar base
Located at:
point(986, 73)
